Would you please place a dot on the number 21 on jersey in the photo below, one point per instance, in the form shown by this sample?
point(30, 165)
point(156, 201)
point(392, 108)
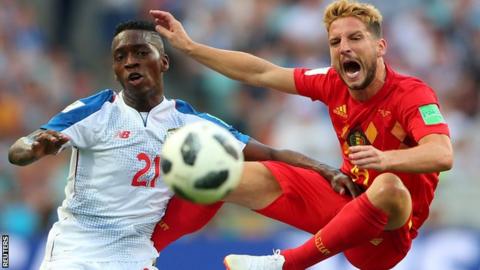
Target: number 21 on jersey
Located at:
point(138, 180)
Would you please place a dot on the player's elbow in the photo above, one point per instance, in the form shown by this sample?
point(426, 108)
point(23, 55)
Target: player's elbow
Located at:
point(440, 152)
point(12, 157)
point(445, 161)
point(15, 156)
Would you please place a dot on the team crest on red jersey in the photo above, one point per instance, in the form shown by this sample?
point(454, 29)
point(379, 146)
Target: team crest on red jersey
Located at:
point(357, 137)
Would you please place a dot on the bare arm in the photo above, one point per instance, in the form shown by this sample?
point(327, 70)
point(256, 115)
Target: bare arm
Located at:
point(239, 66)
point(35, 146)
point(341, 183)
point(432, 154)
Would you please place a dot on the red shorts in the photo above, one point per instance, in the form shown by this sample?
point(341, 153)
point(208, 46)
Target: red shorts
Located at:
point(308, 203)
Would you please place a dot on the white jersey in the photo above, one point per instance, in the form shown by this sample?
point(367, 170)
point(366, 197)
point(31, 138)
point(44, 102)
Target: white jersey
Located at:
point(115, 193)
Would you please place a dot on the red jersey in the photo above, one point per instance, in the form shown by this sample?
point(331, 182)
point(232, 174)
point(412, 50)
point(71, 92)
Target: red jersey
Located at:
point(402, 112)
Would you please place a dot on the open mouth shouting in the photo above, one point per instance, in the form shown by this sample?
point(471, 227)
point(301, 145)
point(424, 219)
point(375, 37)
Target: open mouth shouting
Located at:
point(351, 69)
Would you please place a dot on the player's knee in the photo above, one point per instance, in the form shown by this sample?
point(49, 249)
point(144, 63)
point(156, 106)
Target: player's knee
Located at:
point(390, 194)
point(257, 187)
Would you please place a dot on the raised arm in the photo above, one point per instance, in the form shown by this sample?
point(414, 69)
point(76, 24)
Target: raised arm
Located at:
point(35, 146)
point(237, 65)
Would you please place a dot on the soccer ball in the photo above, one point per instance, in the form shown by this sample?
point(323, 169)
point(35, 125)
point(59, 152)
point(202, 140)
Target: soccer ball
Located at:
point(201, 162)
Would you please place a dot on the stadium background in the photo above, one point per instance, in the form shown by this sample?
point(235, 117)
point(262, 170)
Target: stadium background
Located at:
point(55, 51)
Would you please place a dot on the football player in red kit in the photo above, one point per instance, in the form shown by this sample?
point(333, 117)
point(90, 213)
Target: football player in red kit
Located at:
point(392, 135)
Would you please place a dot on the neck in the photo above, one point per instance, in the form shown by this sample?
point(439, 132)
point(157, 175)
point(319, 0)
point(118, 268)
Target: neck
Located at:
point(375, 86)
point(143, 103)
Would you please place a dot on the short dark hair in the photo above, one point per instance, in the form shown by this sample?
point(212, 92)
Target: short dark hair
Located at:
point(135, 25)
point(142, 26)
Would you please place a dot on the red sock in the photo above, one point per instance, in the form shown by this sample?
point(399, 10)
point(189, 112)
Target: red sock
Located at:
point(357, 222)
point(181, 218)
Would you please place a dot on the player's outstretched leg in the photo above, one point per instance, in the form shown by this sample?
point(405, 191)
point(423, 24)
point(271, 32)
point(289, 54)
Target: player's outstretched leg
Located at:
point(385, 206)
point(181, 218)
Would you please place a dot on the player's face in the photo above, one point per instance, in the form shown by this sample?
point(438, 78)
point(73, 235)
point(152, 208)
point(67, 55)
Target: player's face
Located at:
point(355, 52)
point(138, 60)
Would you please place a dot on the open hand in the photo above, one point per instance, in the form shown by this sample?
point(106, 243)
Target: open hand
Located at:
point(368, 157)
point(342, 183)
point(171, 29)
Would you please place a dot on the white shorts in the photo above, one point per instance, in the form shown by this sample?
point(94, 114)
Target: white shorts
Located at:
point(79, 265)
point(71, 246)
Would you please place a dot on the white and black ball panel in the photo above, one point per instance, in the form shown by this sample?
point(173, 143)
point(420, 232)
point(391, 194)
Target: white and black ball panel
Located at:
point(179, 191)
point(212, 180)
point(190, 148)
point(230, 149)
point(202, 162)
point(165, 165)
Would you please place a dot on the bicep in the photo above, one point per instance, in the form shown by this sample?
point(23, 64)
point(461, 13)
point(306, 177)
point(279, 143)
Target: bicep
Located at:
point(279, 78)
point(438, 140)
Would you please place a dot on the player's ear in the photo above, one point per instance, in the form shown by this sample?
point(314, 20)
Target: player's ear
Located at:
point(381, 47)
point(165, 62)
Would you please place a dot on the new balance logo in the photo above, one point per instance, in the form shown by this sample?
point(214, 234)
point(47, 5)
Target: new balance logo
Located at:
point(124, 134)
point(341, 111)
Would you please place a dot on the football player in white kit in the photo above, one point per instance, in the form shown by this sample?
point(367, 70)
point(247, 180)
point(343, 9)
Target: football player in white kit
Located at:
point(115, 194)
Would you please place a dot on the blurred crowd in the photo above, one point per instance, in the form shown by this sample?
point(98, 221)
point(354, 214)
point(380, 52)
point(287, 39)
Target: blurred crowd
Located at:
point(53, 52)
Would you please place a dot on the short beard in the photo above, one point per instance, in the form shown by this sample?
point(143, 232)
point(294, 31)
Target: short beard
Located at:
point(368, 78)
